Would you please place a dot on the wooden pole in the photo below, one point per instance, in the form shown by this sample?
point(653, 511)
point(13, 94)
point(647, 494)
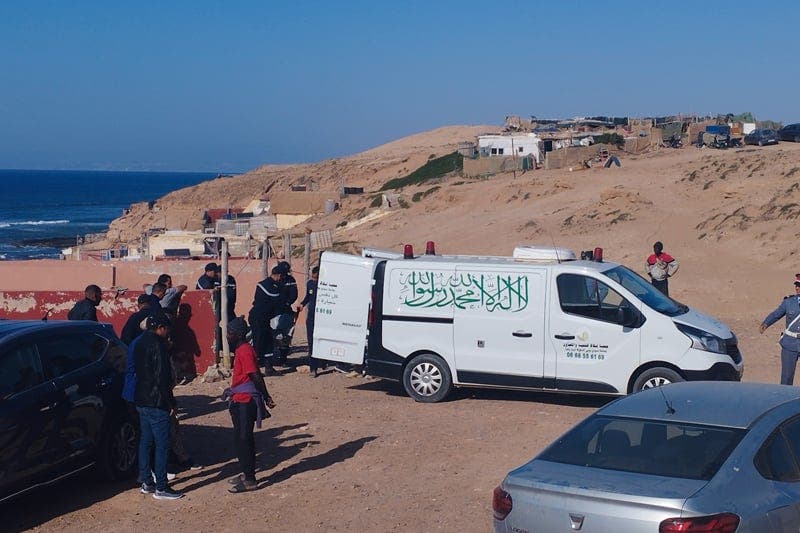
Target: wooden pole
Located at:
point(223, 299)
point(265, 258)
point(307, 255)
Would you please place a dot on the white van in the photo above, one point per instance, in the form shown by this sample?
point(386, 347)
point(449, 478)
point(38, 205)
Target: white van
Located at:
point(539, 320)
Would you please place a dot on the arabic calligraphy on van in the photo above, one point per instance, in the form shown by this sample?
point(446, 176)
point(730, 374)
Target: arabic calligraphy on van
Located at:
point(466, 290)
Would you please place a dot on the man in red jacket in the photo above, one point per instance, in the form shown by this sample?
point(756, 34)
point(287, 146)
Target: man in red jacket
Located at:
point(248, 399)
point(660, 266)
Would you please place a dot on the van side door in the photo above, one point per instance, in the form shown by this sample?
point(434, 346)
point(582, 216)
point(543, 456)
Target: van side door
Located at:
point(499, 326)
point(594, 350)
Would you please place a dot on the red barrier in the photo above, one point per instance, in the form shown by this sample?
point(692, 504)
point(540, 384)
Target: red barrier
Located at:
point(193, 332)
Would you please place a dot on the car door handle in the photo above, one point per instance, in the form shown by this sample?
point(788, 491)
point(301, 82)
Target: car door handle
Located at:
point(523, 334)
point(565, 337)
point(48, 407)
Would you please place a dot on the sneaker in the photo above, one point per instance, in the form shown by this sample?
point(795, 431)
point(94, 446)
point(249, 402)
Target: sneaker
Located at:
point(147, 488)
point(167, 494)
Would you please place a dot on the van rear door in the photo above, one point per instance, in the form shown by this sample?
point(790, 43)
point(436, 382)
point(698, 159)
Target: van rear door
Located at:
point(344, 293)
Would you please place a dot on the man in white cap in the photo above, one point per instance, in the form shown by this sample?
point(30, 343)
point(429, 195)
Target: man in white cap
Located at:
point(790, 337)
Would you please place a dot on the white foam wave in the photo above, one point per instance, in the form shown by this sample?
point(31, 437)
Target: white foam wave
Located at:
point(33, 223)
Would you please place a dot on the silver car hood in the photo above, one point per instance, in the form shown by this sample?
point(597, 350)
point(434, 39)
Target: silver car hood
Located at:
point(546, 494)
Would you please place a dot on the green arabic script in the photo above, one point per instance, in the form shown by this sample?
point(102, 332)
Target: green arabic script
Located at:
point(490, 292)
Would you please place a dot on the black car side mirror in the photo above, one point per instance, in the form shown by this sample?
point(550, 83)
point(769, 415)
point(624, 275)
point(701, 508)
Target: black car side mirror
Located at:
point(627, 317)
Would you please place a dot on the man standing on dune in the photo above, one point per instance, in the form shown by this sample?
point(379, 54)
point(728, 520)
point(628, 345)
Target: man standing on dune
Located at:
point(660, 266)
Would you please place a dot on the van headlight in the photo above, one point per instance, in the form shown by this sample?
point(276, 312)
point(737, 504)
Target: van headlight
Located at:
point(702, 340)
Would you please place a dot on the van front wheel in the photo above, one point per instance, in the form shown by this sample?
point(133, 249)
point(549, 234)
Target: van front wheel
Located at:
point(427, 379)
point(656, 377)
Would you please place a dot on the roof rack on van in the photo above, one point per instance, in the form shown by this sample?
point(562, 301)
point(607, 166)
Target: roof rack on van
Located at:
point(543, 253)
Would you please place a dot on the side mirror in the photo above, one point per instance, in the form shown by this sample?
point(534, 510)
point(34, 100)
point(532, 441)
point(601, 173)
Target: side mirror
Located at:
point(627, 317)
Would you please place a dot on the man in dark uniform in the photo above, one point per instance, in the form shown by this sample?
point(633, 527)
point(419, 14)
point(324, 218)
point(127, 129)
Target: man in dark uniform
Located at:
point(288, 290)
point(790, 338)
point(209, 281)
point(230, 290)
point(266, 304)
point(86, 309)
point(310, 304)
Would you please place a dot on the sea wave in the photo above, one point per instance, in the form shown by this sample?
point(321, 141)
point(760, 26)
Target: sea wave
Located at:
point(33, 223)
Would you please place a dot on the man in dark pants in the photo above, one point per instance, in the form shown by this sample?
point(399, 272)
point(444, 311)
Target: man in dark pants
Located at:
point(155, 404)
point(86, 309)
point(288, 290)
point(266, 304)
point(310, 303)
point(230, 290)
point(248, 400)
point(790, 338)
point(209, 281)
point(661, 266)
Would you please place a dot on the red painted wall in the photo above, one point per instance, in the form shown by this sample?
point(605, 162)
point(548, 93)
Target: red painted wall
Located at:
point(193, 333)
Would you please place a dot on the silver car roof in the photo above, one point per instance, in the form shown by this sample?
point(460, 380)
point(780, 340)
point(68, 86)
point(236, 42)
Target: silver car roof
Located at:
point(714, 403)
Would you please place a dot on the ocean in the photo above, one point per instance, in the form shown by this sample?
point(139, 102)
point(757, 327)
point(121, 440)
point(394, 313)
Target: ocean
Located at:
point(42, 211)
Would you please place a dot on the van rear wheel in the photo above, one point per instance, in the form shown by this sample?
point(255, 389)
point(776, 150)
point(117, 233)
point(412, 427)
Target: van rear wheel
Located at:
point(427, 379)
point(656, 377)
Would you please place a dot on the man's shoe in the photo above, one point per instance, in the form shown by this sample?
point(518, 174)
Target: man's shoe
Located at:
point(147, 488)
point(244, 486)
point(167, 494)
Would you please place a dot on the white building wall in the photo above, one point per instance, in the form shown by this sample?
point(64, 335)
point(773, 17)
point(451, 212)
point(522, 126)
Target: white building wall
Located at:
point(506, 145)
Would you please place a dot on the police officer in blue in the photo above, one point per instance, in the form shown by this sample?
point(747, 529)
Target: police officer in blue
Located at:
point(790, 338)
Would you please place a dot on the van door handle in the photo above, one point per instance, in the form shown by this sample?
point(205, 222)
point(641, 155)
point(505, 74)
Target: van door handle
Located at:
point(565, 337)
point(523, 334)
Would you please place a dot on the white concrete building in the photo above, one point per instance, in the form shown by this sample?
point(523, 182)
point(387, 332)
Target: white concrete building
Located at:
point(519, 144)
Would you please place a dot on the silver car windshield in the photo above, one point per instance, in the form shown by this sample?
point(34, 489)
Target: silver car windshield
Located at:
point(646, 292)
point(645, 447)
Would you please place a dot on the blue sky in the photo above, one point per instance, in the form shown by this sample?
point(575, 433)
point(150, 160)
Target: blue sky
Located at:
point(226, 86)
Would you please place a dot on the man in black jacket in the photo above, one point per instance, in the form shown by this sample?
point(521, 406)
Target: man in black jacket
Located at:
point(86, 308)
point(132, 327)
point(266, 304)
point(155, 404)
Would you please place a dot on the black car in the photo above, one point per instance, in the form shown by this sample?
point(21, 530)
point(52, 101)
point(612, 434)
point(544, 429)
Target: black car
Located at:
point(60, 406)
point(790, 132)
point(761, 137)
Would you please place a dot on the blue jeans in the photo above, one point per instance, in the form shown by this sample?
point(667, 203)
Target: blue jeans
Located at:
point(154, 424)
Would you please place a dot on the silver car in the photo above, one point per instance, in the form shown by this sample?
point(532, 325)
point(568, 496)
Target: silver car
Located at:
point(696, 456)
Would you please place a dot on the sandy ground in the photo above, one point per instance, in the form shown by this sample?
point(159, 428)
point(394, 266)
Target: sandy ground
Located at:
point(349, 453)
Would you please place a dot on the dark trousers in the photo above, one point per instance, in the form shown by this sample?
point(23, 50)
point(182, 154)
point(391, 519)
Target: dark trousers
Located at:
point(262, 335)
point(313, 363)
point(788, 365)
point(243, 416)
point(662, 285)
point(154, 426)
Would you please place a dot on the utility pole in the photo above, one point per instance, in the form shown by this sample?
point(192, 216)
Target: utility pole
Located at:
point(223, 300)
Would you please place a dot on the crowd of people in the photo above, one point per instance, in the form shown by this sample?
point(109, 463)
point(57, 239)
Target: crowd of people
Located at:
point(153, 368)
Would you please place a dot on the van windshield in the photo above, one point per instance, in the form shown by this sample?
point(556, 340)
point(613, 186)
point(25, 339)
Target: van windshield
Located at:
point(652, 297)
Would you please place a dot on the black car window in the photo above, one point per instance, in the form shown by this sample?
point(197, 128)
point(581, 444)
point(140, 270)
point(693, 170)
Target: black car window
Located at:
point(646, 447)
point(589, 297)
point(64, 353)
point(20, 370)
point(774, 460)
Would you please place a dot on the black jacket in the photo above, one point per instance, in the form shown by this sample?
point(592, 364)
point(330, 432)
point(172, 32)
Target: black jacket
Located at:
point(153, 372)
point(132, 327)
point(267, 299)
point(83, 310)
point(288, 293)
